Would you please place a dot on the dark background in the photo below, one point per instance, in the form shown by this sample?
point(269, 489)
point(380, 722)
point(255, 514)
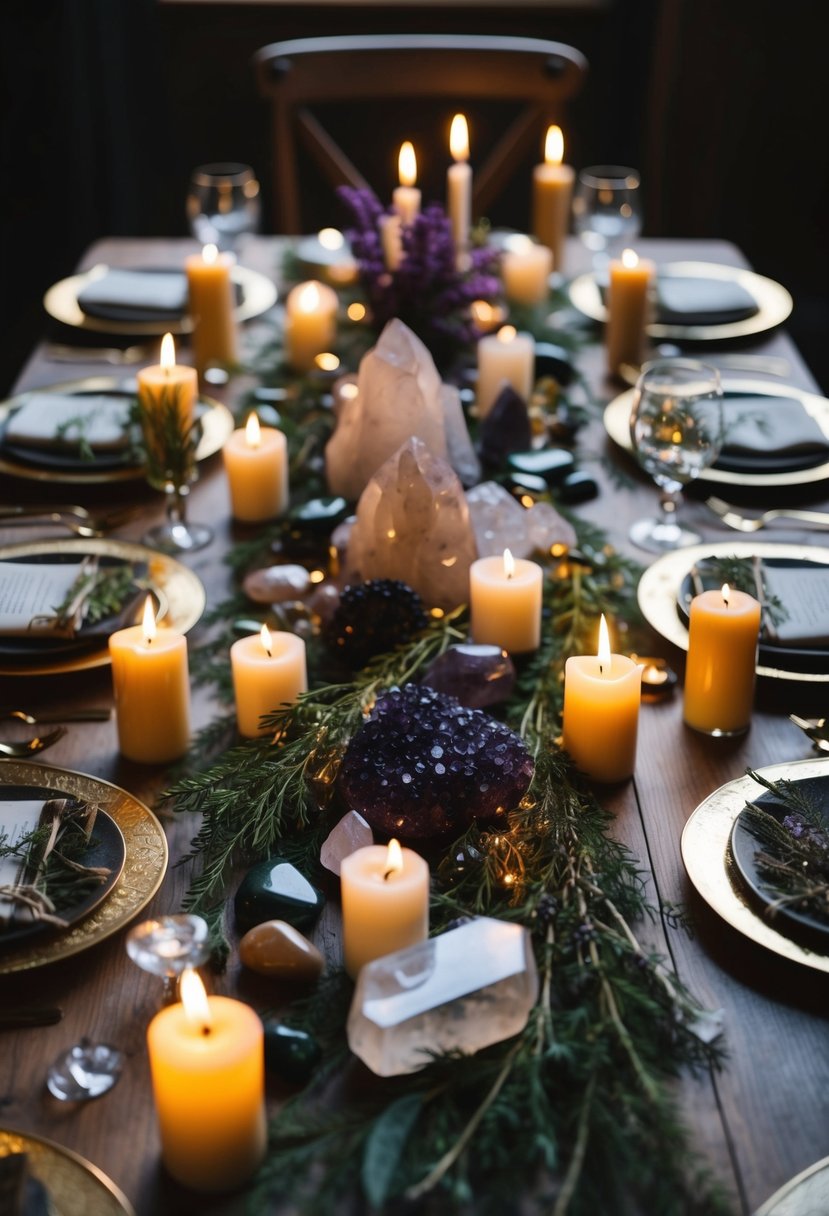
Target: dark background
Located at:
point(108, 104)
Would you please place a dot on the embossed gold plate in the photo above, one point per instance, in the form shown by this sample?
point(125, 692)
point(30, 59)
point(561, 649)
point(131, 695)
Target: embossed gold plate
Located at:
point(774, 303)
point(807, 1194)
point(145, 862)
point(61, 302)
point(215, 419)
point(76, 1187)
point(179, 588)
point(706, 857)
point(659, 587)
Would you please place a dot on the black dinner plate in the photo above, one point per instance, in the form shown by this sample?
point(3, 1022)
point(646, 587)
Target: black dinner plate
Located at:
point(56, 458)
point(106, 848)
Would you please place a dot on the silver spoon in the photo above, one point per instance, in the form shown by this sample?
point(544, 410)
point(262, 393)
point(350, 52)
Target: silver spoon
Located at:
point(30, 746)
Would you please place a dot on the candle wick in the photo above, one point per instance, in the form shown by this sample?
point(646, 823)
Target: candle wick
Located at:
point(205, 1030)
point(387, 874)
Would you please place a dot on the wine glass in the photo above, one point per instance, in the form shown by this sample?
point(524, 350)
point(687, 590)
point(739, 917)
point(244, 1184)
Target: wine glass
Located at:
point(223, 204)
point(606, 210)
point(676, 427)
point(167, 947)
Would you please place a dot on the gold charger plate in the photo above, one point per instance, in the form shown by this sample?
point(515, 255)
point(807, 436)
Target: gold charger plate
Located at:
point(659, 587)
point(617, 426)
point(705, 854)
point(807, 1194)
point(216, 424)
point(774, 303)
point(76, 1187)
point(145, 862)
point(61, 302)
point(180, 591)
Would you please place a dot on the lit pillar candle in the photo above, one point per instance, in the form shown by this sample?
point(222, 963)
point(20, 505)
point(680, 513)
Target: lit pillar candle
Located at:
point(505, 357)
point(723, 632)
point(391, 238)
point(168, 381)
point(207, 1061)
point(601, 712)
point(151, 682)
point(526, 267)
point(505, 603)
point(406, 197)
point(459, 182)
point(269, 672)
point(628, 307)
point(212, 305)
point(385, 897)
point(310, 323)
point(256, 462)
point(552, 195)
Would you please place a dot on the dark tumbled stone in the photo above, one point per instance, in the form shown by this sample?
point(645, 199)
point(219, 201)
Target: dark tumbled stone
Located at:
point(553, 464)
point(520, 484)
point(577, 487)
point(292, 1054)
point(506, 428)
point(424, 765)
point(275, 890)
point(552, 360)
point(477, 675)
point(308, 526)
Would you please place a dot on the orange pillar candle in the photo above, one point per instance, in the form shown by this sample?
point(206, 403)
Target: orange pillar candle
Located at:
point(724, 629)
point(526, 267)
point(505, 357)
point(552, 195)
point(168, 381)
point(269, 672)
point(406, 197)
point(212, 306)
point(601, 712)
point(310, 323)
point(628, 308)
point(459, 182)
point(385, 896)
point(207, 1061)
point(505, 603)
point(151, 682)
point(391, 238)
point(256, 462)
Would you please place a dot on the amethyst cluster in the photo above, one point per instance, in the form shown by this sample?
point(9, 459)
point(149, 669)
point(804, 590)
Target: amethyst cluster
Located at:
point(427, 291)
point(424, 765)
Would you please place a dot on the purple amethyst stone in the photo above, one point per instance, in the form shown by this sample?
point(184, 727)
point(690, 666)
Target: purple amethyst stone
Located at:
point(424, 765)
point(478, 675)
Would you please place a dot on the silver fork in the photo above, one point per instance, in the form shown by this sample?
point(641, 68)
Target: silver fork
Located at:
point(30, 746)
point(76, 518)
point(744, 523)
point(58, 353)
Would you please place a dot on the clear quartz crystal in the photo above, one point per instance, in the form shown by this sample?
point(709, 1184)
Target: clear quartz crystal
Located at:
point(500, 523)
point(85, 1071)
point(462, 991)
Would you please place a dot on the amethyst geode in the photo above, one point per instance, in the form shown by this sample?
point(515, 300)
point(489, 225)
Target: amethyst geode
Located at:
point(424, 765)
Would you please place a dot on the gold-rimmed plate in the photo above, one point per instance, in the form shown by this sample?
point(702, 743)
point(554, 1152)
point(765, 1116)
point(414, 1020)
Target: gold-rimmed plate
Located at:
point(145, 862)
point(177, 588)
point(660, 585)
point(774, 303)
point(74, 1185)
point(705, 853)
point(617, 426)
point(807, 1194)
point(258, 294)
point(215, 419)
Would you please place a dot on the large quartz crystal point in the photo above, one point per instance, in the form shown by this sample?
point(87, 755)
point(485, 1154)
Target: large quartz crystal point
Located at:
point(413, 525)
point(399, 393)
point(462, 991)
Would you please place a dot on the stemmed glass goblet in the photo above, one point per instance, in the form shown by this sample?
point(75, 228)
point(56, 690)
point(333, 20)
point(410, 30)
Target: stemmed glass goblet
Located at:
point(223, 204)
point(606, 210)
point(167, 947)
point(676, 428)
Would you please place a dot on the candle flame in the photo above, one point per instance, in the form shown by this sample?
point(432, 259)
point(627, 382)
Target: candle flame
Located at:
point(331, 238)
point(506, 333)
point(604, 645)
point(148, 620)
point(554, 146)
point(168, 351)
point(726, 594)
point(266, 640)
point(407, 164)
point(394, 858)
point(253, 431)
point(308, 296)
point(194, 999)
point(459, 138)
point(210, 254)
point(630, 259)
point(509, 564)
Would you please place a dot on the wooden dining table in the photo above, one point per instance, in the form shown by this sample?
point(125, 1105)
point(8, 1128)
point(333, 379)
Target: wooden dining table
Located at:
point(758, 1121)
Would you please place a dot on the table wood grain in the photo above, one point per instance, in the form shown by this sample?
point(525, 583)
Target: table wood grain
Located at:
point(760, 1120)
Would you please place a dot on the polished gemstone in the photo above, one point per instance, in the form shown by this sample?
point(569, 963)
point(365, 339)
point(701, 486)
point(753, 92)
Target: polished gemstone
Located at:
point(477, 675)
point(506, 428)
point(577, 486)
point(277, 948)
point(276, 584)
point(275, 890)
point(424, 765)
point(555, 361)
point(308, 527)
point(292, 1054)
point(346, 837)
point(553, 464)
point(460, 992)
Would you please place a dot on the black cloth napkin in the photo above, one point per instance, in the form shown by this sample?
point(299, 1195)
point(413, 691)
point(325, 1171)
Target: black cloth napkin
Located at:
point(802, 594)
point(765, 433)
point(136, 295)
point(693, 301)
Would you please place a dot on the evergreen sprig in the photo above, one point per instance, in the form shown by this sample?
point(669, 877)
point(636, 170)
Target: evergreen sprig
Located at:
point(793, 854)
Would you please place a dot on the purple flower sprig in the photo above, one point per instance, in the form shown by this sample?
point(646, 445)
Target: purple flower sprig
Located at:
point(428, 290)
